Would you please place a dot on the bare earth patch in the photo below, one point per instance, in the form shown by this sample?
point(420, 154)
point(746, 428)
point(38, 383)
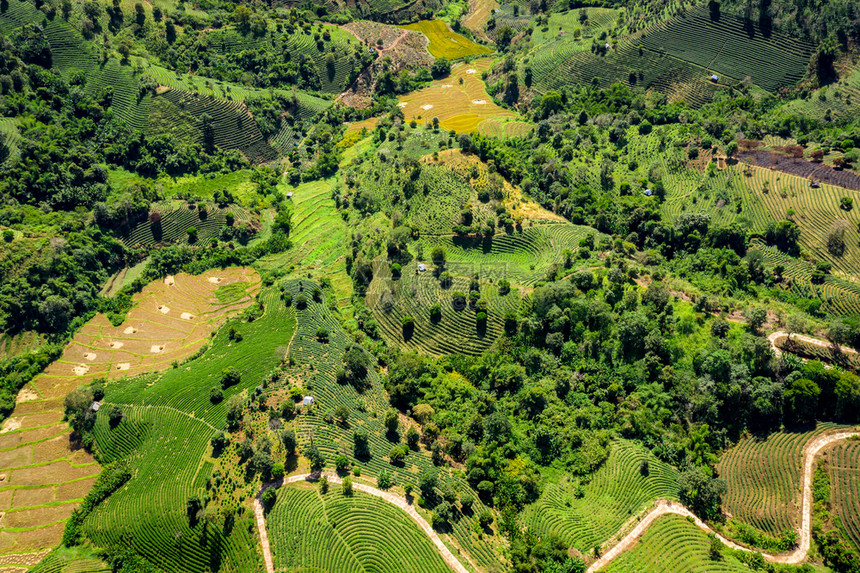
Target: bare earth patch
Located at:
point(26, 394)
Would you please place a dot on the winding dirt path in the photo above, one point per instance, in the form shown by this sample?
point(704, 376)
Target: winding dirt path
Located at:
point(391, 498)
point(663, 506)
point(808, 339)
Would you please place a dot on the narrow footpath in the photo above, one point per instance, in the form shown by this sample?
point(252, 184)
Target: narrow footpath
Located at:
point(664, 506)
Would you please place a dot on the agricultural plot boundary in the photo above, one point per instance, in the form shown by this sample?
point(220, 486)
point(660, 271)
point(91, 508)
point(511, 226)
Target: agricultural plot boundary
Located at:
point(663, 507)
point(45, 473)
point(391, 498)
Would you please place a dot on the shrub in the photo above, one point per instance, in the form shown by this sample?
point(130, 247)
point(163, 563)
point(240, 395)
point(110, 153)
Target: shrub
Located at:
point(361, 444)
point(412, 438)
point(288, 438)
point(215, 395)
point(392, 421)
point(230, 377)
point(347, 486)
point(341, 463)
point(278, 471)
point(384, 480)
point(342, 413)
point(315, 457)
point(398, 453)
point(269, 498)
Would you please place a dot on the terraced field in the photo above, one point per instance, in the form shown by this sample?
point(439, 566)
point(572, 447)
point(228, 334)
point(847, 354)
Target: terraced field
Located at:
point(461, 107)
point(479, 12)
point(319, 238)
point(316, 367)
point(763, 479)
point(842, 463)
point(175, 221)
point(838, 295)
point(444, 43)
point(233, 126)
point(727, 47)
point(168, 422)
point(70, 53)
point(570, 65)
point(841, 99)
point(341, 45)
point(767, 195)
point(522, 258)
point(10, 135)
point(615, 492)
point(335, 533)
point(673, 545)
point(47, 474)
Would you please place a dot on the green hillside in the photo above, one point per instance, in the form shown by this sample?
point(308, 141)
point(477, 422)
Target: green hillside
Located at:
point(431, 285)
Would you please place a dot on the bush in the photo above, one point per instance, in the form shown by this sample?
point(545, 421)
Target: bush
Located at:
point(412, 438)
point(384, 480)
point(341, 463)
point(278, 471)
point(269, 498)
point(230, 377)
point(398, 454)
point(392, 421)
point(216, 395)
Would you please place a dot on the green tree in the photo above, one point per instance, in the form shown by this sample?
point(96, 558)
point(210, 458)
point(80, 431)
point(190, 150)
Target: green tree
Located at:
point(392, 421)
point(316, 459)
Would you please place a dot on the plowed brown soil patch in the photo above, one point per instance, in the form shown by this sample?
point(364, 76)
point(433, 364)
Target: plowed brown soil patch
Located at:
point(801, 167)
point(39, 464)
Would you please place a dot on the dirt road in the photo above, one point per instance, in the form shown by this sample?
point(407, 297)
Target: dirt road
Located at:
point(663, 506)
point(391, 498)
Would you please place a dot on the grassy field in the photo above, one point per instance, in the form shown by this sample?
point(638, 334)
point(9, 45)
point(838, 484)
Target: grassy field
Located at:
point(763, 479)
point(445, 43)
point(336, 533)
point(587, 514)
point(459, 106)
point(47, 473)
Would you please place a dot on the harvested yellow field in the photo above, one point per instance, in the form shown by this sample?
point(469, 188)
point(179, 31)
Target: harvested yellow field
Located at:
point(479, 12)
point(444, 43)
point(459, 106)
point(44, 472)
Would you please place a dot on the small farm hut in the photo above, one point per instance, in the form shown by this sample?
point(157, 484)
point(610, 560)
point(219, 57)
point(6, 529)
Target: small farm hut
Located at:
point(307, 401)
